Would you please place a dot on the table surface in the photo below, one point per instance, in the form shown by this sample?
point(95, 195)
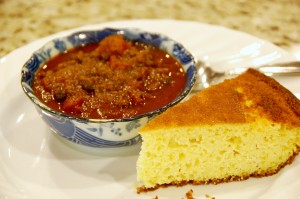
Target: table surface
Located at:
point(25, 21)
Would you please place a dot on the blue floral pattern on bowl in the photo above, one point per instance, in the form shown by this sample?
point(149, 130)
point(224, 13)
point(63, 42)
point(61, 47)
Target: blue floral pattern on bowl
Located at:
point(105, 132)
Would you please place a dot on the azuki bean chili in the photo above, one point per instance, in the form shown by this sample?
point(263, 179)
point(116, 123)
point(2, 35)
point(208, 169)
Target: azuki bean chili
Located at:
point(113, 78)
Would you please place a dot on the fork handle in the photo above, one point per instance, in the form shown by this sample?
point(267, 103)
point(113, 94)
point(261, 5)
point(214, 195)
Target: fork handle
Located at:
point(287, 68)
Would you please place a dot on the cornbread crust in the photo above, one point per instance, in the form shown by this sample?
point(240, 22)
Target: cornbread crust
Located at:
point(269, 99)
point(142, 189)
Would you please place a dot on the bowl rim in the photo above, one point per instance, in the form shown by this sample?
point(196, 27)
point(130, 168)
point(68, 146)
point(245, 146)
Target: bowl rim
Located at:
point(41, 105)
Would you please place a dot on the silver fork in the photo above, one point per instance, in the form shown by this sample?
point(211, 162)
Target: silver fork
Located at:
point(207, 76)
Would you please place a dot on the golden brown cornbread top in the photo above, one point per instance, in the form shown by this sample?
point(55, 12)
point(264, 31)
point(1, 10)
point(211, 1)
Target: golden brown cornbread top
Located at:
point(239, 100)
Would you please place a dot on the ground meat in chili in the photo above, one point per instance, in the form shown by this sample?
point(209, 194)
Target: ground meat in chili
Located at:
point(113, 78)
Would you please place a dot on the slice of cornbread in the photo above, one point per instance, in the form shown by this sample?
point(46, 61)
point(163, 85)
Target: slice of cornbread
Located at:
point(246, 126)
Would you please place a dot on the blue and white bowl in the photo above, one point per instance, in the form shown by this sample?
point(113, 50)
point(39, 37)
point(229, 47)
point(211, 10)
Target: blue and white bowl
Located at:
point(102, 133)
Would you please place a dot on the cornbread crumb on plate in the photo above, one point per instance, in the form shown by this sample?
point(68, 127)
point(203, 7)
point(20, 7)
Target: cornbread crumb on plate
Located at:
point(248, 126)
point(189, 194)
point(210, 197)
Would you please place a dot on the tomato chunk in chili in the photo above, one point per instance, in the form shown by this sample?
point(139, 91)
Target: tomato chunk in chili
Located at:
point(113, 78)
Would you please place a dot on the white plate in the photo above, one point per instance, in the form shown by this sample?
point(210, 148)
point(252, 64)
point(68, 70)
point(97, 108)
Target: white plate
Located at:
point(35, 163)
